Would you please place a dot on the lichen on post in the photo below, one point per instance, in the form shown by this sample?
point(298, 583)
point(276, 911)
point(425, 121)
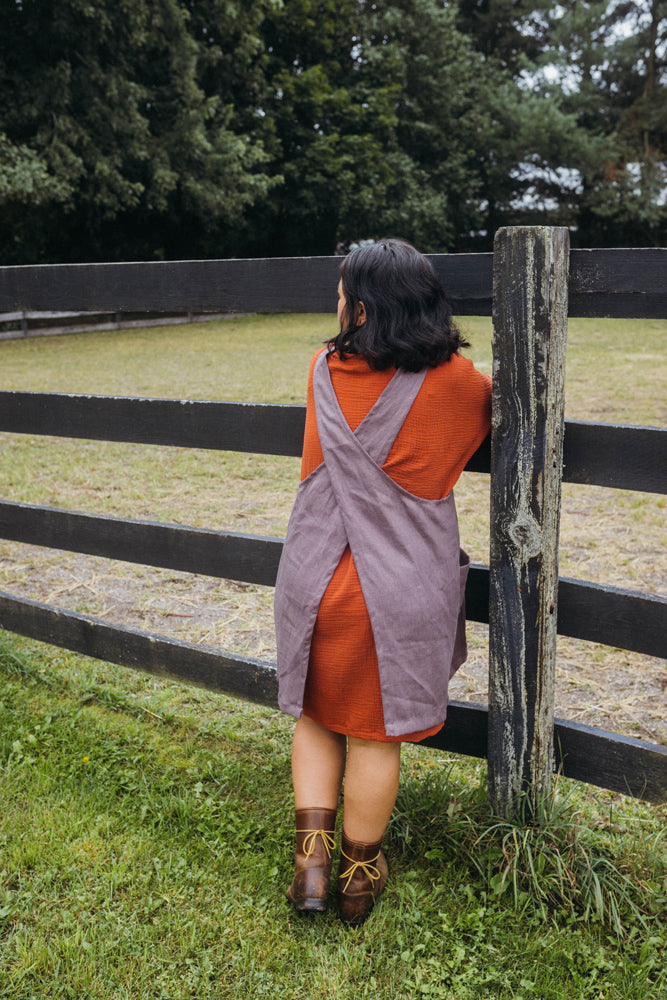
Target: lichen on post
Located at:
point(530, 299)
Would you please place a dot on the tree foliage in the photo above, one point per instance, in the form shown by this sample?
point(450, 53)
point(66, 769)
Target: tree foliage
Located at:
point(613, 73)
point(377, 113)
point(182, 128)
point(116, 143)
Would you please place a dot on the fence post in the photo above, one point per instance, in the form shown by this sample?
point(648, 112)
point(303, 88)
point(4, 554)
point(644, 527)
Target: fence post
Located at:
point(530, 298)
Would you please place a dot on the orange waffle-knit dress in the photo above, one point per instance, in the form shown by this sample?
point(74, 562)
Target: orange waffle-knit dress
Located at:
point(448, 421)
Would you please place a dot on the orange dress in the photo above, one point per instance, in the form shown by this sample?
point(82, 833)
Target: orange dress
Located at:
point(448, 421)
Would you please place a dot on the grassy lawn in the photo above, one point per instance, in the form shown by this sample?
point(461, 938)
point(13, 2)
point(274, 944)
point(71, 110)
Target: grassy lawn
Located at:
point(145, 827)
point(145, 838)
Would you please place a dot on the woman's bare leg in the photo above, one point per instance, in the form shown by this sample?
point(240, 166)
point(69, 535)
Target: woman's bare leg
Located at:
point(371, 777)
point(371, 786)
point(318, 764)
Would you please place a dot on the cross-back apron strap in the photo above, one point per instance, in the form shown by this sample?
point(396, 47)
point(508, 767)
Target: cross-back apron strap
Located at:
point(406, 552)
point(377, 431)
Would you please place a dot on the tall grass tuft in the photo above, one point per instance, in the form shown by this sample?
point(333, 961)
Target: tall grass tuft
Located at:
point(551, 861)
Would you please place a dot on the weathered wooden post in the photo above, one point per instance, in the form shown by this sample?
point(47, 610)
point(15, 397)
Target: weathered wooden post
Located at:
point(530, 297)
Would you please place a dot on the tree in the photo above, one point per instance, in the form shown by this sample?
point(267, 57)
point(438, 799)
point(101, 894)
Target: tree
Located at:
point(513, 33)
point(320, 129)
point(117, 149)
point(430, 147)
point(377, 120)
point(174, 128)
point(613, 61)
point(584, 123)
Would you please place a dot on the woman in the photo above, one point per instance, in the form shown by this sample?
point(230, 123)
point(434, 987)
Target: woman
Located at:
point(369, 595)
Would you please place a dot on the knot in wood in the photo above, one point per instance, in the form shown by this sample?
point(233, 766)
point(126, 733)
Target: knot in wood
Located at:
point(526, 536)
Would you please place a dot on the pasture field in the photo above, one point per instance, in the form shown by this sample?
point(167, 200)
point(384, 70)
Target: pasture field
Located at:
point(145, 827)
point(615, 373)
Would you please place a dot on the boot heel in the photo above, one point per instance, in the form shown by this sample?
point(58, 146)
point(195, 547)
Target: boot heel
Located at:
point(309, 891)
point(310, 905)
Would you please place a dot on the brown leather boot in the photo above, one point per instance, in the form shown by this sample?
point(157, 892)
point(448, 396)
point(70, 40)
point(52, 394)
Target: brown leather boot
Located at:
point(309, 890)
point(363, 875)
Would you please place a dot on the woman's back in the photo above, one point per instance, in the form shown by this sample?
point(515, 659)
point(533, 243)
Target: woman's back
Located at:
point(448, 421)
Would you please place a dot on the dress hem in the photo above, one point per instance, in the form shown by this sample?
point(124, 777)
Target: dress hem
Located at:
point(414, 737)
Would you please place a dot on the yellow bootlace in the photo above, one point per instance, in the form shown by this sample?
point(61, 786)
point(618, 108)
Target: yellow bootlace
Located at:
point(368, 867)
point(310, 841)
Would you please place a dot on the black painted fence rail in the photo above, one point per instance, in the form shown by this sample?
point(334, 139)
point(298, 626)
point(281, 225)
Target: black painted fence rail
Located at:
point(614, 455)
point(595, 612)
point(617, 282)
point(619, 763)
point(606, 455)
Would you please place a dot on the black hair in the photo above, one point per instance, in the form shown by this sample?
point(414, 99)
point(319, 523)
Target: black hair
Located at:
point(408, 315)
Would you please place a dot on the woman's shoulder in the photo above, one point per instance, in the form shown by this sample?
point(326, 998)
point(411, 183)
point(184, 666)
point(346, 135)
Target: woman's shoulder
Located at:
point(313, 361)
point(320, 350)
point(460, 371)
point(352, 368)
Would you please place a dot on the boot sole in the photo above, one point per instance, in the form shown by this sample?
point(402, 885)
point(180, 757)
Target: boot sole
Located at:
point(309, 905)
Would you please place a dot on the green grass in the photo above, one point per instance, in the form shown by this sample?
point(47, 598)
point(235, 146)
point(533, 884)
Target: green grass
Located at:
point(614, 367)
point(145, 827)
point(260, 358)
point(145, 844)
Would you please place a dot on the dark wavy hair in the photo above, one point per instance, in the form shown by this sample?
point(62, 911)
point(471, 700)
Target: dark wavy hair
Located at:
point(408, 315)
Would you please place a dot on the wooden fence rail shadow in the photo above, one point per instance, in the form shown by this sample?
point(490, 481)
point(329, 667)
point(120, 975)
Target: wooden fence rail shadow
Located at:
point(618, 283)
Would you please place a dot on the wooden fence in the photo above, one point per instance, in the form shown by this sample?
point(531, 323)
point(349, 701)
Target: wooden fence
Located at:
point(19, 325)
point(526, 281)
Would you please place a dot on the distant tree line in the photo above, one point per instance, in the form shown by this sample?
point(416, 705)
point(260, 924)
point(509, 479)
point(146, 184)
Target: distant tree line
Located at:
point(214, 128)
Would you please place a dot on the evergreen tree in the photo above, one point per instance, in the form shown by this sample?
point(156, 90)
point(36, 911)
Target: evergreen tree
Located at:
point(613, 60)
point(321, 129)
point(514, 33)
point(114, 147)
point(378, 118)
point(584, 125)
point(184, 128)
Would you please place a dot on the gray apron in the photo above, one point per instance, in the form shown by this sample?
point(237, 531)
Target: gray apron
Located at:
point(406, 551)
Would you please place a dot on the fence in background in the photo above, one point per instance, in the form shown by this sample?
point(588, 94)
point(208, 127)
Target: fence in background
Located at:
point(26, 323)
